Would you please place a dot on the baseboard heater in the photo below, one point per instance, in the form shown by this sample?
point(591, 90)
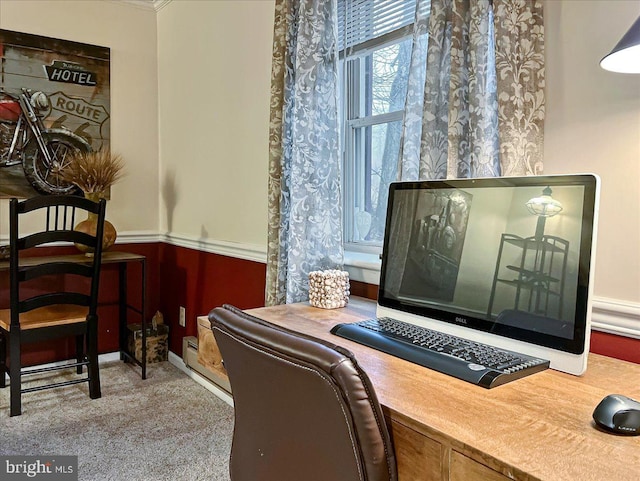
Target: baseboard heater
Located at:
point(190, 357)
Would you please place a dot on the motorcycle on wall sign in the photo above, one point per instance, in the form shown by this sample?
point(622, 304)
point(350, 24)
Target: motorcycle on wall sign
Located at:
point(43, 152)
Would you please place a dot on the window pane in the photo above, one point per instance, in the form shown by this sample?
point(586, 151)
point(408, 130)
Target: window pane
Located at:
point(378, 147)
point(390, 71)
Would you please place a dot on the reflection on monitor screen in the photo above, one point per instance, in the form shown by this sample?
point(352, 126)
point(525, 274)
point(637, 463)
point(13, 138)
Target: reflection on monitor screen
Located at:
point(510, 257)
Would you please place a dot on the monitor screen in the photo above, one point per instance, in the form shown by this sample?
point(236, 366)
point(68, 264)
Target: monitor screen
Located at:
point(503, 260)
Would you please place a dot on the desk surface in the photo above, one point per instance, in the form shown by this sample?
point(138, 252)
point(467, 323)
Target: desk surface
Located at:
point(108, 257)
point(538, 427)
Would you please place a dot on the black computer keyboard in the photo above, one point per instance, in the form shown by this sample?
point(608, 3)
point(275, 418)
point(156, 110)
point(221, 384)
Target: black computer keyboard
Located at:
point(481, 364)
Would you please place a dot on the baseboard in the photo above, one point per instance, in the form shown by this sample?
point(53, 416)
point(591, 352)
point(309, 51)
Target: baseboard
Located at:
point(173, 359)
point(102, 359)
point(190, 358)
point(178, 362)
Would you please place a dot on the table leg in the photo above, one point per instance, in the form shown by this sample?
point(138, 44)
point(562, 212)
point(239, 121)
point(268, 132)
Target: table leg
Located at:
point(122, 316)
point(143, 296)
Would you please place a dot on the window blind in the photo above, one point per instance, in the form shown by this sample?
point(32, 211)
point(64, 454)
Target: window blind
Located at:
point(361, 21)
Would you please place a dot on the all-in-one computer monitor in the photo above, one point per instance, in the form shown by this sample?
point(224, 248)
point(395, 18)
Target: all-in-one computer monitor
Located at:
point(504, 261)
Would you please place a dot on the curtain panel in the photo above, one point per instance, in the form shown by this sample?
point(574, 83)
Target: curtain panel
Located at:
point(519, 50)
point(305, 215)
point(463, 117)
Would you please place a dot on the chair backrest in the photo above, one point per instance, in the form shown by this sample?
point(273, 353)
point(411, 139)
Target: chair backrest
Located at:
point(304, 409)
point(59, 214)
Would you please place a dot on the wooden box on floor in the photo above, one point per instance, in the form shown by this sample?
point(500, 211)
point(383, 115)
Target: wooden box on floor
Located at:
point(157, 343)
point(203, 356)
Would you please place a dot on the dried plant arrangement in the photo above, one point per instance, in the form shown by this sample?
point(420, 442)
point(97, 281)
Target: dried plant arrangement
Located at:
point(94, 172)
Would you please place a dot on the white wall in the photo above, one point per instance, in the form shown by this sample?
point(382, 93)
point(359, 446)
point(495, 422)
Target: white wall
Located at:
point(593, 125)
point(130, 33)
point(214, 76)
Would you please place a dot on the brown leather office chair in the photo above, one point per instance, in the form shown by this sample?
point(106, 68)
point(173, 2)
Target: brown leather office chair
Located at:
point(65, 307)
point(304, 409)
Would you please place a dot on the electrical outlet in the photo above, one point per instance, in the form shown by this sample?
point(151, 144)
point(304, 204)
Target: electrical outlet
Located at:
point(183, 317)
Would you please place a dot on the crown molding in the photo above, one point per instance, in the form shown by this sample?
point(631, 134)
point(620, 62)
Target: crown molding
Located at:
point(155, 5)
point(160, 4)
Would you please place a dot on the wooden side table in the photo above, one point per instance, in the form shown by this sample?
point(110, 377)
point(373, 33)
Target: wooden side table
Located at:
point(122, 259)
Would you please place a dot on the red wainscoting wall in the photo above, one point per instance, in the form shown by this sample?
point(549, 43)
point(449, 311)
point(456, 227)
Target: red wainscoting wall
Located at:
point(619, 347)
point(200, 281)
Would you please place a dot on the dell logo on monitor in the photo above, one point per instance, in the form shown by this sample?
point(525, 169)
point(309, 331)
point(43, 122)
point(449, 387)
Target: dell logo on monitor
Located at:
point(461, 320)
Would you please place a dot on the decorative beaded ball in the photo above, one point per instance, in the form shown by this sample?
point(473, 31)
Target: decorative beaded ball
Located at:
point(329, 289)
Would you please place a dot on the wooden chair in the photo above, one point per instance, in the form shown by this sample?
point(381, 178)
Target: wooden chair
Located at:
point(68, 308)
point(304, 409)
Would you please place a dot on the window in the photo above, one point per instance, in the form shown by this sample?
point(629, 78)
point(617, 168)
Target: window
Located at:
point(375, 39)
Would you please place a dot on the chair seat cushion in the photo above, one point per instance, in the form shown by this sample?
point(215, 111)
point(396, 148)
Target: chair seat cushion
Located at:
point(46, 316)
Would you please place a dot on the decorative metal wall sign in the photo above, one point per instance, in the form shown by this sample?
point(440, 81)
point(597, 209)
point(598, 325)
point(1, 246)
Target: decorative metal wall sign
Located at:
point(54, 100)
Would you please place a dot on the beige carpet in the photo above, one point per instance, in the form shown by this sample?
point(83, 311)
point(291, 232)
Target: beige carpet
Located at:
point(167, 427)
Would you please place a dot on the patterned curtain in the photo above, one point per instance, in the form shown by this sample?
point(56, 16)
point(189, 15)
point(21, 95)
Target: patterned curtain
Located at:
point(520, 69)
point(463, 118)
point(305, 216)
point(414, 103)
point(457, 135)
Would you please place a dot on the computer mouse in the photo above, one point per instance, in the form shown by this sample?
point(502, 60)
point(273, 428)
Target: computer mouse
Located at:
point(618, 414)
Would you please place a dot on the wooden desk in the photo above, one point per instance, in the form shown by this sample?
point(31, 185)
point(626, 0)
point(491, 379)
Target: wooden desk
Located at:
point(535, 428)
point(123, 259)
